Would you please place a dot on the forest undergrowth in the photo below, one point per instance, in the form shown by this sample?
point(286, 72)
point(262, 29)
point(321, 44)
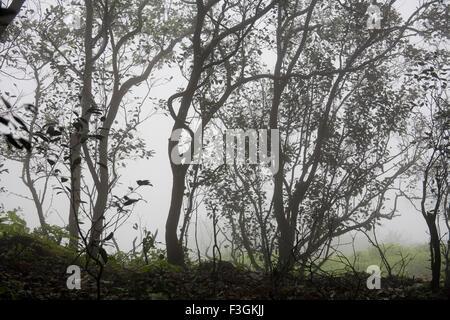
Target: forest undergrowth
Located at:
point(34, 268)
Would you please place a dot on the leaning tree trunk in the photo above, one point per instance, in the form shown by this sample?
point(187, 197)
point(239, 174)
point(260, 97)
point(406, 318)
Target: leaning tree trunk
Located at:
point(174, 245)
point(30, 184)
point(26, 171)
point(175, 254)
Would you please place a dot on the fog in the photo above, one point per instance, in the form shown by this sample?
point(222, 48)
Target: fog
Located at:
point(406, 228)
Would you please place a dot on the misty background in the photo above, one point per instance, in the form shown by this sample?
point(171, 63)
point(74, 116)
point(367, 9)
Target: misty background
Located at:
point(407, 228)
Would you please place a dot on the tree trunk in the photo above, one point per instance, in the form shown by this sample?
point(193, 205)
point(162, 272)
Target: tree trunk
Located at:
point(447, 266)
point(175, 254)
point(75, 184)
point(75, 138)
point(30, 184)
point(26, 172)
point(285, 240)
point(174, 245)
point(246, 242)
point(435, 254)
point(102, 194)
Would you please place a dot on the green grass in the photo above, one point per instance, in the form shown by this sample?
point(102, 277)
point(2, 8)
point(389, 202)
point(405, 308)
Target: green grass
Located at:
point(405, 261)
point(416, 261)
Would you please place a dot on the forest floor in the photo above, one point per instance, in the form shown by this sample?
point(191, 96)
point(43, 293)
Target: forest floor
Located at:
point(31, 269)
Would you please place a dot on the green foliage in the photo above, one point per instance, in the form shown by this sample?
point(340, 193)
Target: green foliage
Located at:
point(52, 237)
point(12, 223)
point(154, 262)
point(55, 234)
point(158, 263)
point(148, 258)
point(416, 261)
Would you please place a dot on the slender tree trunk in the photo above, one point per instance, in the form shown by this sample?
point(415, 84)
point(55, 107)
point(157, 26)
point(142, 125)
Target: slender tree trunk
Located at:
point(201, 54)
point(26, 172)
point(435, 252)
point(120, 89)
point(447, 266)
point(75, 184)
point(285, 240)
point(75, 138)
point(246, 242)
point(102, 194)
point(447, 223)
point(175, 254)
point(30, 184)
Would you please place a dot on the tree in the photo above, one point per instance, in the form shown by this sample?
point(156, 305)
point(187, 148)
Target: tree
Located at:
point(116, 33)
point(119, 36)
point(337, 119)
point(428, 69)
point(359, 76)
point(92, 89)
point(38, 161)
point(219, 29)
point(433, 142)
point(8, 14)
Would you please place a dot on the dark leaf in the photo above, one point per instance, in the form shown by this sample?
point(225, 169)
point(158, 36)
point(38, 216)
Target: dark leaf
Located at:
point(51, 162)
point(4, 121)
point(130, 202)
point(42, 136)
point(12, 141)
point(104, 255)
point(94, 111)
point(52, 132)
point(25, 143)
point(143, 183)
point(109, 237)
point(30, 107)
point(7, 104)
point(21, 123)
point(97, 136)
